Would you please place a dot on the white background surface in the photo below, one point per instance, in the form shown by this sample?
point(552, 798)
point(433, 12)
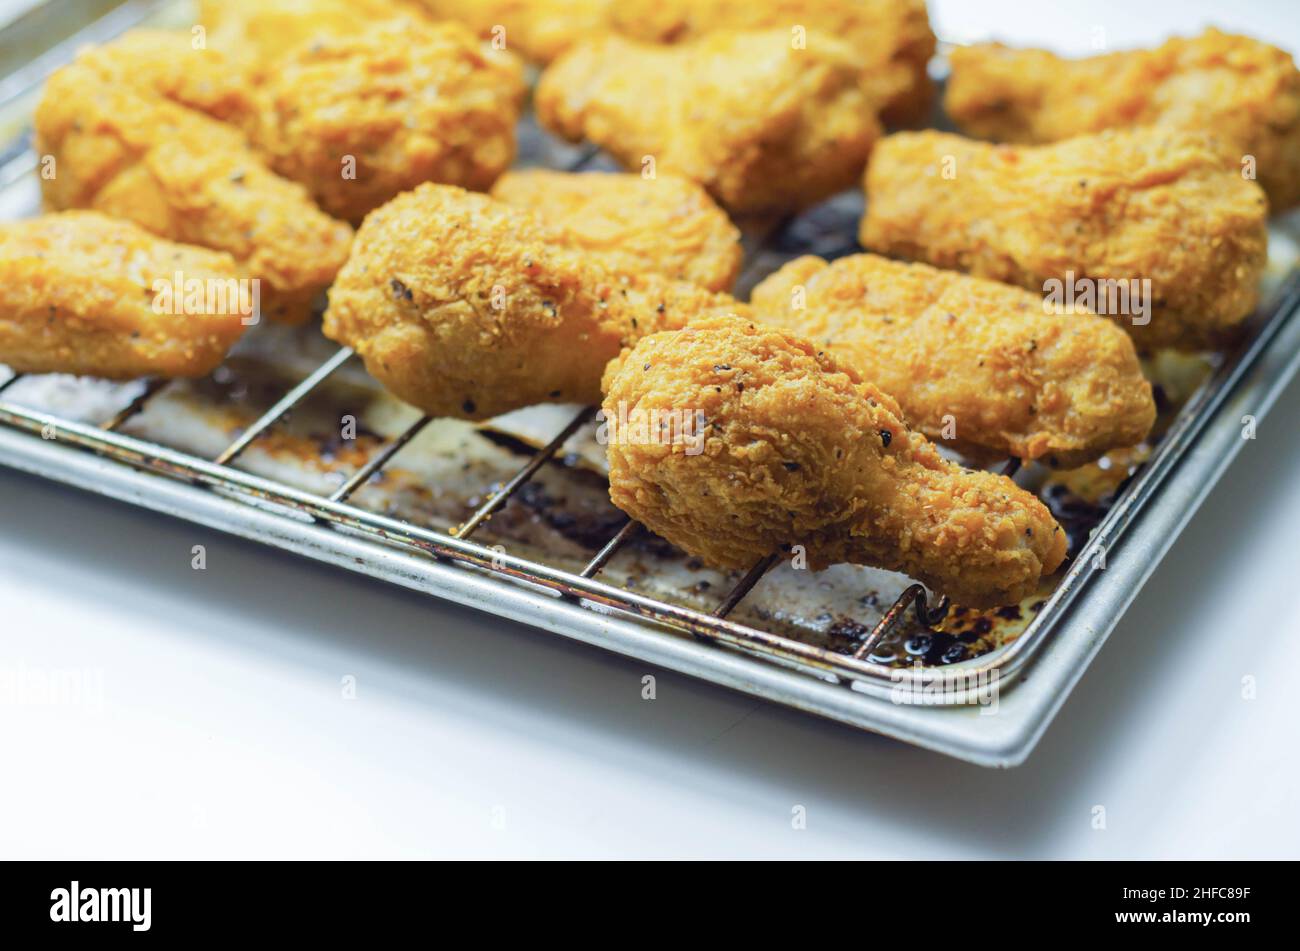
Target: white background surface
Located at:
point(218, 729)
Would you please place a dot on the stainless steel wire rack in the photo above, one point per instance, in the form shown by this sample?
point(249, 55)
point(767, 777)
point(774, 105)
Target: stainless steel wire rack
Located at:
point(965, 710)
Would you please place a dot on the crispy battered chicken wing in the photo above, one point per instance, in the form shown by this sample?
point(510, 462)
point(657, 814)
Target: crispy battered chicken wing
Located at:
point(360, 118)
point(1244, 91)
point(663, 224)
point(799, 450)
point(764, 127)
point(892, 38)
point(464, 306)
point(188, 178)
point(972, 362)
point(539, 30)
point(78, 294)
point(1127, 206)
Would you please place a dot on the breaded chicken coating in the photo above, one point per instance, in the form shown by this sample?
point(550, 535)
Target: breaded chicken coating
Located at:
point(360, 118)
point(259, 33)
point(664, 224)
point(1150, 204)
point(538, 30)
point(80, 293)
point(177, 66)
point(892, 38)
point(764, 127)
point(464, 306)
point(972, 362)
point(800, 450)
point(188, 178)
point(1245, 92)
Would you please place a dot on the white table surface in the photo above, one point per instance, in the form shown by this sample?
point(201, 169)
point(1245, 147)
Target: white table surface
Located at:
point(213, 724)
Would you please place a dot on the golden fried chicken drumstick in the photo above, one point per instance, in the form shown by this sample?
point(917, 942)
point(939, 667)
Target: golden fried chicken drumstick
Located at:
point(360, 118)
point(1148, 204)
point(78, 295)
point(800, 450)
point(892, 38)
point(1244, 91)
point(973, 362)
point(663, 224)
point(185, 177)
point(464, 306)
point(764, 127)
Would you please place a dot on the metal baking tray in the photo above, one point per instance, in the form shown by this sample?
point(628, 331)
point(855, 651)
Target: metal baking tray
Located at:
point(255, 450)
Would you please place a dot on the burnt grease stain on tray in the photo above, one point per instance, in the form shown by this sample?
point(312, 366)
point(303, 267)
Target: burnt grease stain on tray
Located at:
point(1077, 516)
point(963, 635)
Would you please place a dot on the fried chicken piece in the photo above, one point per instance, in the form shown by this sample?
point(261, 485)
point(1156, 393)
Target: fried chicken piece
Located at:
point(464, 306)
point(258, 34)
point(367, 101)
point(360, 118)
point(798, 449)
point(664, 224)
point(1128, 206)
point(891, 38)
point(539, 30)
point(762, 126)
point(188, 178)
point(169, 64)
point(973, 362)
point(1246, 92)
point(80, 293)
